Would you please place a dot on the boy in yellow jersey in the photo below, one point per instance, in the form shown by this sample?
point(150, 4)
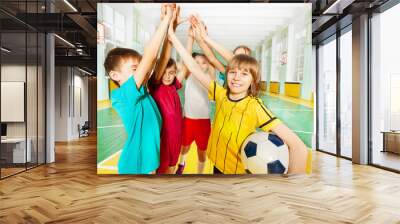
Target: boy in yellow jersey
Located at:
point(239, 112)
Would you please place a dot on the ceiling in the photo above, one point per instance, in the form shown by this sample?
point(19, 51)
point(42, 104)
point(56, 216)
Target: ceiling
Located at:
point(72, 20)
point(232, 24)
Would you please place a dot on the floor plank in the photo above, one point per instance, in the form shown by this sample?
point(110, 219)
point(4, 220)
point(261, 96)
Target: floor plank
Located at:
point(70, 191)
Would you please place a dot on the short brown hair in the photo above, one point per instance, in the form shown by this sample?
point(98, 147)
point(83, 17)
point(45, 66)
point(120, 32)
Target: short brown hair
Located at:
point(246, 49)
point(196, 54)
point(245, 62)
point(116, 55)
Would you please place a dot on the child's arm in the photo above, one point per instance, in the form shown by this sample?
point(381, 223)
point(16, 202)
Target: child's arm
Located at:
point(298, 152)
point(208, 52)
point(225, 53)
point(163, 61)
point(211, 72)
point(191, 64)
point(167, 48)
point(183, 73)
point(152, 47)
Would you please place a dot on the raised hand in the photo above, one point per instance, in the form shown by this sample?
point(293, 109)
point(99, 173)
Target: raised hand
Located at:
point(203, 30)
point(167, 11)
point(177, 19)
point(163, 10)
point(170, 11)
point(197, 32)
point(151, 49)
point(200, 28)
point(191, 32)
point(175, 14)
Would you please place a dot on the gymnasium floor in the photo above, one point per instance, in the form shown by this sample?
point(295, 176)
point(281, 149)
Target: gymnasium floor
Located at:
point(296, 114)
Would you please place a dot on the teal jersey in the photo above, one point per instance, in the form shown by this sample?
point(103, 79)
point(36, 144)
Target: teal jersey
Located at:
point(142, 122)
point(220, 78)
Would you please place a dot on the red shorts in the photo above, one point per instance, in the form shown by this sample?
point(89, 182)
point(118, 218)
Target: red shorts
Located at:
point(197, 130)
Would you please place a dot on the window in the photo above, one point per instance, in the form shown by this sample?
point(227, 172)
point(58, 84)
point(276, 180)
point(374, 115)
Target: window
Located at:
point(385, 89)
point(300, 47)
point(346, 94)
point(327, 96)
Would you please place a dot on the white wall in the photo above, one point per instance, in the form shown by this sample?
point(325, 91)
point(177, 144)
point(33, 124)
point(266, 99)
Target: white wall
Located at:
point(12, 73)
point(295, 39)
point(291, 54)
point(61, 103)
point(33, 125)
point(70, 83)
point(79, 117)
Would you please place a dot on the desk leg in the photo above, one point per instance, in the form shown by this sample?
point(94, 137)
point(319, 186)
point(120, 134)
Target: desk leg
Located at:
point(384, 142)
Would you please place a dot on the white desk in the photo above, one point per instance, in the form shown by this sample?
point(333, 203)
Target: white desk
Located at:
point(18, 149)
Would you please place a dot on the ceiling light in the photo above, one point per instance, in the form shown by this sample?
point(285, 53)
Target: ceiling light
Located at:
point(337, 7)
point(70, 5)
point(64, 40)
point(86, 72)
point(5, 49)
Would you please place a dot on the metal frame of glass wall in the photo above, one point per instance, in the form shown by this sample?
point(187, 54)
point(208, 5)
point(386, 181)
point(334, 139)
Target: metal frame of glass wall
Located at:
point(34, 48)
point(389, 4)
point(334, 37)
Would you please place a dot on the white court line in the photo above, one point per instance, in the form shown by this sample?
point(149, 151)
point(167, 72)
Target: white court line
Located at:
point(111, 126)
point(107, 167)
point(103, 108)
point(102, 162)
point(307, 132)
point(289, 109)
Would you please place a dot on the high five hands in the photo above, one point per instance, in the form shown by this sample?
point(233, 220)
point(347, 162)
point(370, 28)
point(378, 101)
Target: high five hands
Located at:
point(167, 10)
point(200, 30)
point(197, 29)
point(176, 19)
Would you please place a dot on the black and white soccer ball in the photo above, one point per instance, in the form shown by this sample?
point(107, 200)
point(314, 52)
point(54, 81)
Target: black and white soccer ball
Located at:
point(265, 153)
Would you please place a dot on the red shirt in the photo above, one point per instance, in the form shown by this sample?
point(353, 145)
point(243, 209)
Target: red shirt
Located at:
point(169, 104)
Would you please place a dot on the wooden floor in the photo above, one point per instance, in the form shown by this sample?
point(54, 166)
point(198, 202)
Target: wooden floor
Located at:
point(10, 171)
point(388, 159)
point(70, 191)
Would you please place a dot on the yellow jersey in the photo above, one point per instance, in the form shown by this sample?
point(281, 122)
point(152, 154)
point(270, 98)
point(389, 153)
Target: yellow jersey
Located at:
point(234, 121)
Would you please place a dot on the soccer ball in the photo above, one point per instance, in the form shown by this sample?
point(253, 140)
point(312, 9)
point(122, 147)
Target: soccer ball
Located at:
point(265, 153)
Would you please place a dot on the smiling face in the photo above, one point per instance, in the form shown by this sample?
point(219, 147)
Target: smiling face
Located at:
point(239, 81)
point(243, 76)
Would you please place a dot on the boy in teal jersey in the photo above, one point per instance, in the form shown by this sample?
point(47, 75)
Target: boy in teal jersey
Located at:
point(142, 122)
point(137, 109)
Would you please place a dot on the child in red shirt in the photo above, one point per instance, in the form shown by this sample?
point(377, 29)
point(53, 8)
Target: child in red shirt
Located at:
point(164, 86)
